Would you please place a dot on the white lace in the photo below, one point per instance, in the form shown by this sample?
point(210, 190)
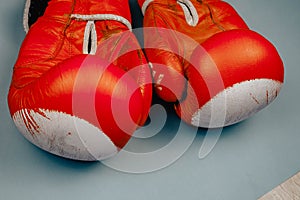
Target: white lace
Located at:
point(190, 12)
point(90, 29)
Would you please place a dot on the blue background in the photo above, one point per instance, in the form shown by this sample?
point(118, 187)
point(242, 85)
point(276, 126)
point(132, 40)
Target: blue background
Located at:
point(249, 159)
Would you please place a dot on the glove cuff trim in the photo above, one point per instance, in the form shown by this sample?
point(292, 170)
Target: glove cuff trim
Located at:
point(25, 16)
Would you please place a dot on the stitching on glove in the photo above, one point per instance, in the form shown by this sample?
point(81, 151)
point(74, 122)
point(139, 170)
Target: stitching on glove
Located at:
point(213, 19)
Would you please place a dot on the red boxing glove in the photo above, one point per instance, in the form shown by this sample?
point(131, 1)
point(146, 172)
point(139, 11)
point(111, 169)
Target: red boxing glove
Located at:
point(207, 61)
point(81, 84)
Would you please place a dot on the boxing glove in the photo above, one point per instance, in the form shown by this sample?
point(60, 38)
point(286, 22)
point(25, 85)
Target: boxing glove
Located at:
point(207, 61)
point(81, 84)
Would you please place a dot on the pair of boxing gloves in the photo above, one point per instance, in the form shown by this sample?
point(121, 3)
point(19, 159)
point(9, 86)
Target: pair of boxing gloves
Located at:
point(82, 85)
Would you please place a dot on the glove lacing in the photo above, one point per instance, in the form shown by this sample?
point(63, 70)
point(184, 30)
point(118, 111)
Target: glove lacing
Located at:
point(90, 29)
point(189, 10)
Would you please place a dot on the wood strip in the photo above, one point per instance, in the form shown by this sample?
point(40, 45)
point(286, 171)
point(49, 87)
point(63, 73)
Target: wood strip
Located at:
point(289, 190)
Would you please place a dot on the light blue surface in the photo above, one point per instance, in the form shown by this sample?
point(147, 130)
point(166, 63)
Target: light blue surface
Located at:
point(249, 159)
